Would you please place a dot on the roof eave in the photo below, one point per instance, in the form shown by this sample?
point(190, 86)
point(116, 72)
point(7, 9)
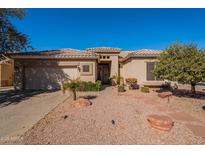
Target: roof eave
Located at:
point(52, 57)
point(138, 56)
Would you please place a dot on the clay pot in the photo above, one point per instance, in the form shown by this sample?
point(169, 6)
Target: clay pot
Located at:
point(133, 86)
point(113, 82)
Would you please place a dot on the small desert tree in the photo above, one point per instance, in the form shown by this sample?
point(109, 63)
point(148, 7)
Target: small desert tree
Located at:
point(184, 63)
point(72, 85)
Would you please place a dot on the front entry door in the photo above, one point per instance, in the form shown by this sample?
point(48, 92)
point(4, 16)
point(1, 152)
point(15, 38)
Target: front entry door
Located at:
point(105, 74)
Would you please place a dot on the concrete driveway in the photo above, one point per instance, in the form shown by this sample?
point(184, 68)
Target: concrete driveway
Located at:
point(20, 110)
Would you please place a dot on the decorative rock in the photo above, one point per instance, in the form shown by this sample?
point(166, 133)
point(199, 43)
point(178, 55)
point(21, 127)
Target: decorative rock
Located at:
point(65, 117)
point(80, 103)
point(113, 122)
point(160, 122)
point(165, 94)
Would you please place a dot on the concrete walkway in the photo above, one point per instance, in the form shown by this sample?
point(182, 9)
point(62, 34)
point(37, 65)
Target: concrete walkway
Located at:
point(6, 88)
point(19, 111)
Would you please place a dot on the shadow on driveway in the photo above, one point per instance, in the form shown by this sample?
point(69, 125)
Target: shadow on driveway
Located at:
point(185, 93)
point(13, 97)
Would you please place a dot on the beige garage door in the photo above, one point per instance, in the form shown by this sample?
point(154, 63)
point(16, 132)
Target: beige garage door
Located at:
point(48, 77)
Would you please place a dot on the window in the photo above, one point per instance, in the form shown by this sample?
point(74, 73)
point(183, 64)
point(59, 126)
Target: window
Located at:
point(103, 57)
point(150, 68)
point(108, 57)
point(86, 68)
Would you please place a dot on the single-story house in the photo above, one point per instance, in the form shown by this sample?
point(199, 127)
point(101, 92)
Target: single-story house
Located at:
point(49, 69)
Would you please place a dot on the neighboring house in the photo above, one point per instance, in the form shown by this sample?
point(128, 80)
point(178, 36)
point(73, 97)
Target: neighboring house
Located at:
point(49, 69)
point(6, 72)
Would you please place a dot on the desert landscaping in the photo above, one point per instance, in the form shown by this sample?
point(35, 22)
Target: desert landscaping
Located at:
point(111, 117)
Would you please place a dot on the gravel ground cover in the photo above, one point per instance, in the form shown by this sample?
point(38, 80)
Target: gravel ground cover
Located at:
point(115, 118)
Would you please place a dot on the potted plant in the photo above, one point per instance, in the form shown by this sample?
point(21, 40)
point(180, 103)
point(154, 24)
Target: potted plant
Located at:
point(121, 88)
point(116, 80)
point(113, 80)
point(132, 83)
point(144, 89)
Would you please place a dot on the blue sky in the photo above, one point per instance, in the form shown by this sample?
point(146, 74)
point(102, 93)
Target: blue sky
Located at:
point(128, 29)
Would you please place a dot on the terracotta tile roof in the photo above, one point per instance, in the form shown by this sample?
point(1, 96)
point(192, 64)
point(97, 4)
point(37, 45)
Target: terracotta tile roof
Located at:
point(146, 52)
point(66, 51)
point(104, 50)
point(123, 54)
point(142, 53)
point(63, 53)
point(90, 53)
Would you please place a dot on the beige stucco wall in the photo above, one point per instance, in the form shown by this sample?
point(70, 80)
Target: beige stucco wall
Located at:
point(114, 65)
point(113, 58)
point(55, 70)
point(91, 77)
point(136, 68)
point(49, 74)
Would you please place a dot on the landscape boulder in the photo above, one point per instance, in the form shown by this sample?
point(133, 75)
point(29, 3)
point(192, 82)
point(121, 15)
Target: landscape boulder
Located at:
point(80, 103)
point(160, 122)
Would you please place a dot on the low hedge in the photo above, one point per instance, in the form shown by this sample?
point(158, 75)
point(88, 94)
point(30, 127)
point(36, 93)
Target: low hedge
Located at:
point(144, 89)
point(130, 81)
point(89, 86)
point(121, 88)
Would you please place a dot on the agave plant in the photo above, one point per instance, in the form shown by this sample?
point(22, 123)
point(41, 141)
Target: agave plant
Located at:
point(72, 85)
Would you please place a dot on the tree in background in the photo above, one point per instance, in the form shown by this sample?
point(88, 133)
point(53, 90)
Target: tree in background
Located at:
point(184, 63)
point(12, 40)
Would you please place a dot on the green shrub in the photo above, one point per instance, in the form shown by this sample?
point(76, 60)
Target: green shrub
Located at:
point(144, 89)
point(98, 84)
point(77, 85)
point(130, 81)
point(89, 86)
point(121, 88)
point(72, 85)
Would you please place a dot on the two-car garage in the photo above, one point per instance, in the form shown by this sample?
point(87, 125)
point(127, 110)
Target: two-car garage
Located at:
point(49, 74)
point(48, 77)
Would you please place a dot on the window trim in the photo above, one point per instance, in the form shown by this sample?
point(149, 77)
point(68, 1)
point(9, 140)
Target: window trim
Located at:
point(90, 69)
point(155, 78)
point(85, 68)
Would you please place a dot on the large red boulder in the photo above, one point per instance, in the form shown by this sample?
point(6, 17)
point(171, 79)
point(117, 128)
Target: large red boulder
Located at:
point(160, 122)
point(80, 103)
point(165, 94)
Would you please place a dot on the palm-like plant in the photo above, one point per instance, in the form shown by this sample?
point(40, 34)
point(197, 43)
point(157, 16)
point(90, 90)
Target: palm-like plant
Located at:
point(72, 85)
